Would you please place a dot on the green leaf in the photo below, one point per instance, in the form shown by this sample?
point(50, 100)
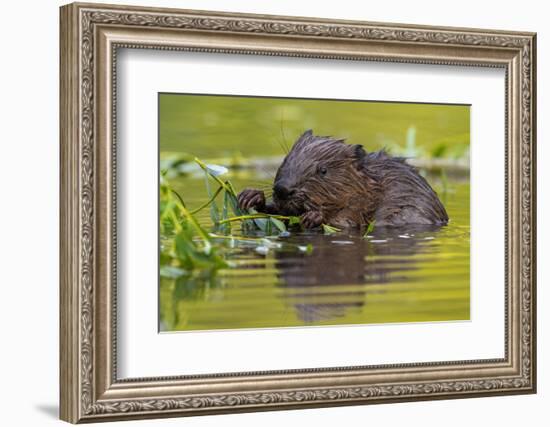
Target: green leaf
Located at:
point(234, 204)
point(328, 229)
point(214, 211)
point(261, 223)
point(225, 228)
point(293, 220)
point(370, 228)
point(233, 192)
point(279, 224)
point(268, 227)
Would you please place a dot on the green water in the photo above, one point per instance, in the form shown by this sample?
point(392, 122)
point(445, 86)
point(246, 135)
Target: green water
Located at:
point(403, 275)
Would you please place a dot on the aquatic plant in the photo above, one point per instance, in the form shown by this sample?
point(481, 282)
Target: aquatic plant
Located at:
point(370, 229)
point(329, 229)
point(249, 219)
point(185, 245)
point(187, 248)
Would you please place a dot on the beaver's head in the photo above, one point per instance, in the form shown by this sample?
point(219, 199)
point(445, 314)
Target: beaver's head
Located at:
point(319, 173)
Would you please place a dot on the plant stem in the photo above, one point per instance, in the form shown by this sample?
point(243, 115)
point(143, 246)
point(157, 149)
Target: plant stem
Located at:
point(237, 238)
point(193, 212)
point(223, 184)
point(259, 216)
point(179, 197)
point(202, 234)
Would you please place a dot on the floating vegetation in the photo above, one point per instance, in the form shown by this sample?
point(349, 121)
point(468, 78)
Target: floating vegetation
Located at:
point(187, 248)
point(369, 230)
point(329, 229)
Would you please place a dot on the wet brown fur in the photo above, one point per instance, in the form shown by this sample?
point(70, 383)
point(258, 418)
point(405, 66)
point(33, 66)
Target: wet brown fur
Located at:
point(335, 183)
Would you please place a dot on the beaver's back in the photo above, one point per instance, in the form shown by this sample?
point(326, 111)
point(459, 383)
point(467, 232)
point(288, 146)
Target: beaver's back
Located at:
point(406, 197)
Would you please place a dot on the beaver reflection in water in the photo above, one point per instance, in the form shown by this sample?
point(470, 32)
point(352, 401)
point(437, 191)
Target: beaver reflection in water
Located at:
point(326, 181)
point(335, 280)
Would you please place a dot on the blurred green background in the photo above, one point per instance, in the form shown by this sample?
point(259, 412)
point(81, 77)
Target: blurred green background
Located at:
point(219, 126)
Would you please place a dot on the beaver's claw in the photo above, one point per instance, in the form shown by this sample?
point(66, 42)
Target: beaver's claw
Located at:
point(251, 198)
point(311, 219)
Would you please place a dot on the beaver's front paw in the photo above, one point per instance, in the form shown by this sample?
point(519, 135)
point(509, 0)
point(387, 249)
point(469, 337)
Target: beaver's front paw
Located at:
point(251, 198)
point(311, 219)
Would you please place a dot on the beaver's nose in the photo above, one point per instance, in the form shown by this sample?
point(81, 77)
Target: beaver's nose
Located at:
point(282, 191)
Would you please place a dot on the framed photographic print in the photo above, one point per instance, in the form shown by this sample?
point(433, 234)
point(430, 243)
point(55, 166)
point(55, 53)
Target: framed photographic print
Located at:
point(265, 212)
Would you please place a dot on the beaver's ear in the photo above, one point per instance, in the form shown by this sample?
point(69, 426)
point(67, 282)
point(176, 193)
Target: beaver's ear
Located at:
point(306, 135)
point(359, 153)
point(303, 139)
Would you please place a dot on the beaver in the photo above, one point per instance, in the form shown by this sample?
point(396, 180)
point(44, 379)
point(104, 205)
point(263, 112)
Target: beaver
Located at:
point(324, 180)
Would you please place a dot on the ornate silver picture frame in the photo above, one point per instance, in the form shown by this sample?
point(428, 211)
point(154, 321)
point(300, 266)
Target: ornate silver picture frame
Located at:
point(91, 34)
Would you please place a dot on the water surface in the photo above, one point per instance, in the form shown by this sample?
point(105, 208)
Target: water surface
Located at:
point(396, 275)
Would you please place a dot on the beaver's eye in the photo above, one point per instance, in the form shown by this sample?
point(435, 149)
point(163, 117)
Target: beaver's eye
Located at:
point(323, 170)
